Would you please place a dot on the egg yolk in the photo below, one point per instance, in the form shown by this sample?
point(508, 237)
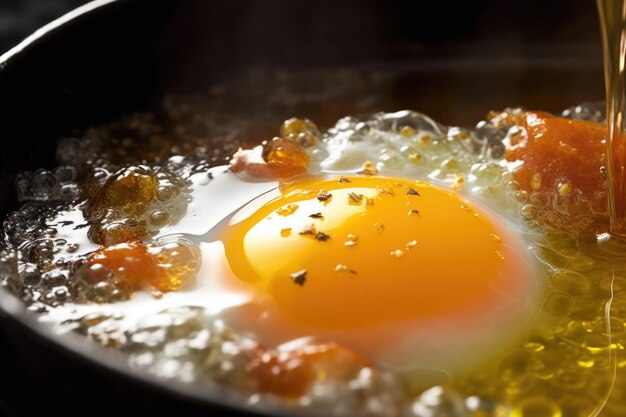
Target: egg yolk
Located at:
point(353, 252)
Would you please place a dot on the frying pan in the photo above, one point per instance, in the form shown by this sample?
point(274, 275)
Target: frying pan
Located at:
point(109, 58)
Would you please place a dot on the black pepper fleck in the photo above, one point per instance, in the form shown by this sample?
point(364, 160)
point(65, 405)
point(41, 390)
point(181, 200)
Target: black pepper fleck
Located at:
point(324, 196)
point(355, 198)
point(322, 237)
point(299, 278)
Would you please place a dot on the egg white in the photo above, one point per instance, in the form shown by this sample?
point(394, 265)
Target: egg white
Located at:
point(216, 197)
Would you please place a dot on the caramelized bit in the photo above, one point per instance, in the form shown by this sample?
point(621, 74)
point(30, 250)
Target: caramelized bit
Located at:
point(292, 373)
point(299, 278)
point(125, 196)
point(561, 158)
point(131, 263)
point(555, 150)
point(343, 180)
point(316, 216)
point(282, 151)
point(277, 158)
point(128, 190)
point(322, 237)
point(304, 131)
point(412, 191)
point(133, 203)
point(178, 265)
point(414, 212)
point(136, 266)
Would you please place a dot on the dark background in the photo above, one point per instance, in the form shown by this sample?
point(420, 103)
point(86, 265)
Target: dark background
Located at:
point(18, 18)
point(482, 27)
point(517, 24)
point(540, 43)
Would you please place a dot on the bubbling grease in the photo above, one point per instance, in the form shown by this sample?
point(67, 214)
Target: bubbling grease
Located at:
point(568, 362)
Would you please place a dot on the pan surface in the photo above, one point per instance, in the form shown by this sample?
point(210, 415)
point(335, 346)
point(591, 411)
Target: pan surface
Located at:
point(109, 58)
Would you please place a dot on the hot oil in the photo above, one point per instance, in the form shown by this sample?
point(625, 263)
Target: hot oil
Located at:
point(569, 364)
point(572, 363)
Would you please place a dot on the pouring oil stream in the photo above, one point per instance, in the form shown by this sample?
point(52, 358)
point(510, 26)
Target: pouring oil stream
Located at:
point(612, 15)
point(613, 26)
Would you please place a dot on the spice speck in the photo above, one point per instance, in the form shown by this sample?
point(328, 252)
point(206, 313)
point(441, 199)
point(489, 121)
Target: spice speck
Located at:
point(324, 196)
point(322, 237)
point(299, 278)
point(354, 198)
point(343, 268)
point(309, 229)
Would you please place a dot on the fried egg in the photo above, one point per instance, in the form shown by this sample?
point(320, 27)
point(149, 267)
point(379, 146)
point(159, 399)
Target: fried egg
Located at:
point(391, 262)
